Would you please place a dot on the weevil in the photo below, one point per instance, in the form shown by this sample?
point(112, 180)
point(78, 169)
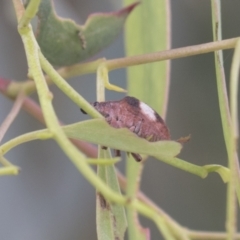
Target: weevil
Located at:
point(135, 115)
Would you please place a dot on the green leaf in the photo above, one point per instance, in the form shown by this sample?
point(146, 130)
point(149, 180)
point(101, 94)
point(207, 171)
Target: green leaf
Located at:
point(111, 218)
point(222, 171)
point(148, 30)
point(135, 230)
point(63, 42)
point(100, 132)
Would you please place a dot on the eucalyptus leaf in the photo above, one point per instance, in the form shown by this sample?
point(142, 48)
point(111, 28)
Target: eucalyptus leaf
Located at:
point(100, 132)
point(111, 218)
point(135, 230)
point(103, 212)
point(63, 42)
point(148, 30)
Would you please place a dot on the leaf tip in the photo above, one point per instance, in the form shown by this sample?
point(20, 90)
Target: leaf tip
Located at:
point(128, 9)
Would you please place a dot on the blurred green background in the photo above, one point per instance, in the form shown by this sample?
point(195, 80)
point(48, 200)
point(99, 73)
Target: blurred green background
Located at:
point(51, 200)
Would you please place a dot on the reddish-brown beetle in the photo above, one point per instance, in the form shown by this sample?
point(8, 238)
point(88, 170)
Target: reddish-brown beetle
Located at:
point(135, 115)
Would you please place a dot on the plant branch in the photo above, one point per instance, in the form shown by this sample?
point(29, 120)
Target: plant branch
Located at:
point(200, 235)
point(29, 13)
point(8, 168)
point(67, 89)
point(170, 54)
point(226, 123)
point(34, 109)
point(12, 115)
point(234, 83)
point(91, 67)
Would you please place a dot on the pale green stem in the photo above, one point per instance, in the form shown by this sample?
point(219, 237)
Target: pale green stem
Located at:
point(163, 228)
point(231, 223)
point(5, 162)
point(200, 235)
point(170, 54)
point(11, 170)
point(234, 83)
point(12, 115)
point(91, 67)
point(186, 166)
point(8, 168)
point(226, 123)
point(29, 13)
point(67, 89)
point(101, 74)
point(37, 135)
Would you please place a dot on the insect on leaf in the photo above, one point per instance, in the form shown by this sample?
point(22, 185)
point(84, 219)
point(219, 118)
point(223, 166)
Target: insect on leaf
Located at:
point(98, 131)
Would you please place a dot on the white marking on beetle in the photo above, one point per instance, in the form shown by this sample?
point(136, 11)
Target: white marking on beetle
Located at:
point(146, 110)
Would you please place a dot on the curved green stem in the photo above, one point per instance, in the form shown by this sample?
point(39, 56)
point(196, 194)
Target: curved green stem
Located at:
point(67, 89)
point(36, 135)
point(12, 115)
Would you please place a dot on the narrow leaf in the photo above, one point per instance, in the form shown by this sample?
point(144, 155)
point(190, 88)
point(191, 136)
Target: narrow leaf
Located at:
point(99, 132)
point(103, 212)
point(111, 218)
point(148, 30)
point(135, 230)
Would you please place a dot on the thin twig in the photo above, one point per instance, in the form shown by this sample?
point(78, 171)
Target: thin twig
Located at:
point(12, 115)
point(171, 54)
point(201, 235)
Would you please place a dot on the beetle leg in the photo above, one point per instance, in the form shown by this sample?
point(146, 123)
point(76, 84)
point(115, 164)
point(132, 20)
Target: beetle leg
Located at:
point(117, 153)
point(137, 157)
